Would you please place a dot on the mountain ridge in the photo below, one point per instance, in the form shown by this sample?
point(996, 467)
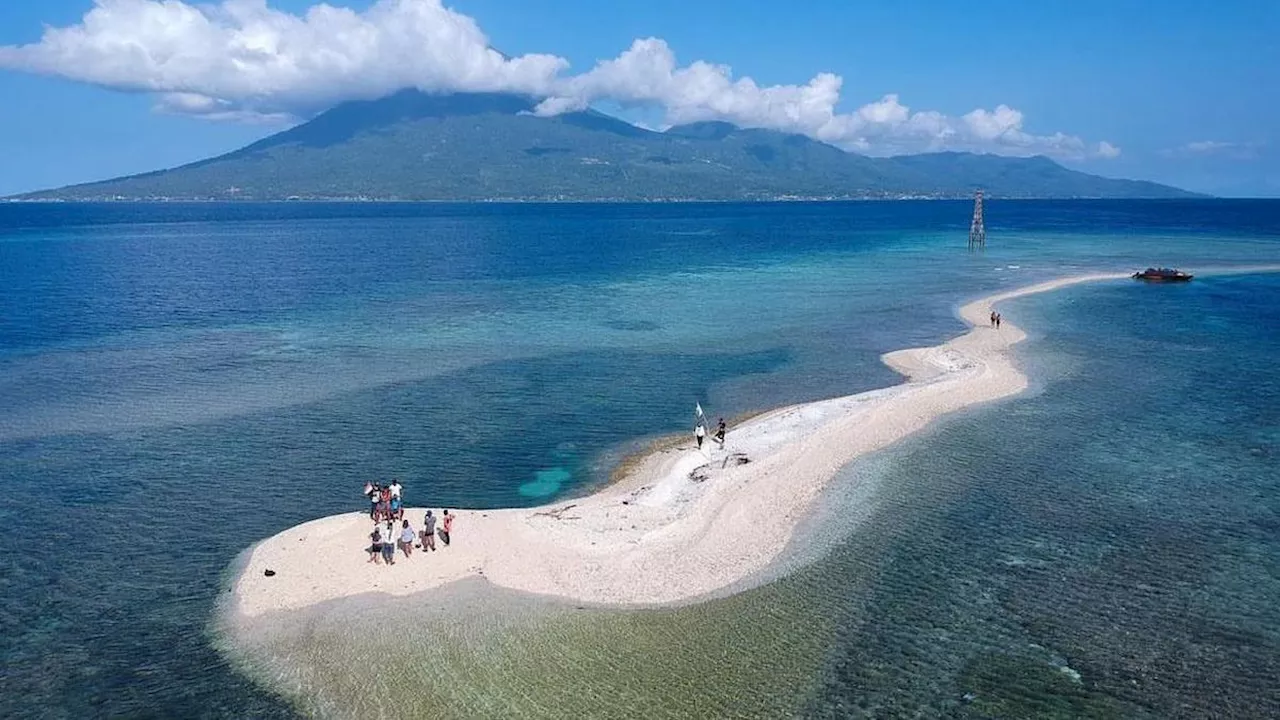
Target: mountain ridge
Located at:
point(413, 146)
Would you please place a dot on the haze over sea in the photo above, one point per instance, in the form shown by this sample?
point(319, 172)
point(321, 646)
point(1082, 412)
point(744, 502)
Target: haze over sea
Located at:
point(178, 382)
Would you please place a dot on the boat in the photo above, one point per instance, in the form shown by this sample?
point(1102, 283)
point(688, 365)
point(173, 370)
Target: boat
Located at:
point(1162, 275)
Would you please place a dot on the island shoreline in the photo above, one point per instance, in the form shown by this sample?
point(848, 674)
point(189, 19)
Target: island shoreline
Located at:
point(655, 534)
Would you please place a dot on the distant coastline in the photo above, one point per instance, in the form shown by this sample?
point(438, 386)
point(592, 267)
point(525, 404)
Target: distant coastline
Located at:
point(20, 200)
point(487, 147)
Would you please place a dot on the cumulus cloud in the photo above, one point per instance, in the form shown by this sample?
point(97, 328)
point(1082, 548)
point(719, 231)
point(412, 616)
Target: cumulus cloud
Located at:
point(203, 106)
point(243, 60)
point(243, 56)
point(1107, 150)
point(647, 72)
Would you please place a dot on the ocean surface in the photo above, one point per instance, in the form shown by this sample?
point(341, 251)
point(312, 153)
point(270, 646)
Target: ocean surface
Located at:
point(180, 381)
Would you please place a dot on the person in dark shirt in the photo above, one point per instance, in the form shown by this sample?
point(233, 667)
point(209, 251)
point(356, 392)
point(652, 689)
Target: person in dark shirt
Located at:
point(375, 548)
point(429, 532)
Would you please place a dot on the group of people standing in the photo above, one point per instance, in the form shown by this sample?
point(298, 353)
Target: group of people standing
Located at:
point(384, 500)
point(391, 531)
point(995, 319)
point(700, 432)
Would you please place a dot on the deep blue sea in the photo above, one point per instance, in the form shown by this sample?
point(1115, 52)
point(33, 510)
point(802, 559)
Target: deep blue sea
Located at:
point(180, 381)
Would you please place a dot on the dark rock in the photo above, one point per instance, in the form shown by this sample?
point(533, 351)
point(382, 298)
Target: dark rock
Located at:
point(269, 573)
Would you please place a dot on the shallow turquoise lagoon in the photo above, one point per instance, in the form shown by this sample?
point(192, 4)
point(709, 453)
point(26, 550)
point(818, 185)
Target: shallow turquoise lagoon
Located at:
point(181, 381)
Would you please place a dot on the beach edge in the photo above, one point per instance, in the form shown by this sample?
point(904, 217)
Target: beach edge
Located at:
point(970, 369)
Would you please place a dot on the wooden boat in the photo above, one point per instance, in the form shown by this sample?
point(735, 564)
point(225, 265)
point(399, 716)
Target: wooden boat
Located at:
point(1162, 275)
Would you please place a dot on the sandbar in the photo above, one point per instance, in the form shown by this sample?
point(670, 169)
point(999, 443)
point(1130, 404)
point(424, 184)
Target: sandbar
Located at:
point(680, 523)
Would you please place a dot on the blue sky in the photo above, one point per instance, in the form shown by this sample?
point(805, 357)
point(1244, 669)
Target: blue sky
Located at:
point(1180, 92)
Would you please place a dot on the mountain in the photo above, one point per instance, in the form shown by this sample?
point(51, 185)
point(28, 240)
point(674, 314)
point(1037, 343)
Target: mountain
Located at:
point(473, 147)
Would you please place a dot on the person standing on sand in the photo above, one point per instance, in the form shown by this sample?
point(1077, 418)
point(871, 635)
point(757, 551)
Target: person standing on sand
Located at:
point(397, 503)
point(700, 432)
point(375, 549)
point(406, 538)
point(446, 527)
point(429, 532)
point(384, 503)
point(993, 318)
point(374, 493)
point(720, 431)
point(998, 318)
point(389, 543)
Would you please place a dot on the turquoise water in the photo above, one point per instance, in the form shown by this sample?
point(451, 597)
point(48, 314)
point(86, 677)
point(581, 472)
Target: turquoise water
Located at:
point(180, 381)
point(1120, 522)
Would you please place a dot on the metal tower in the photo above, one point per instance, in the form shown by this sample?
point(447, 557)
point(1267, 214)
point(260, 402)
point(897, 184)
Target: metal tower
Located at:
point(978, 230)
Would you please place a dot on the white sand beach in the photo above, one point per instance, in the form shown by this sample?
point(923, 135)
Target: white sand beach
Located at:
point(680, 523)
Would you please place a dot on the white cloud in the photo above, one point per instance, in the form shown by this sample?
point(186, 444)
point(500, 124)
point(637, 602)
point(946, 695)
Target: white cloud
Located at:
point(1107, 150)
point(241, 59)
point(1208, 146)
point(208, 108)
point(647, 72)
point(1216, 148)
point(242, 55)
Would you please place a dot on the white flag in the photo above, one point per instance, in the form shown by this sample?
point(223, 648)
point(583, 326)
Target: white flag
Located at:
point(698, 406)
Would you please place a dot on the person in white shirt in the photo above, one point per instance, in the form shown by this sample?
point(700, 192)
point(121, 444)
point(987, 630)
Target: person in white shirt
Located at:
point(406, 538)
point(396, 505)
point(372, 492)
point(389, 543)
point(700, 432)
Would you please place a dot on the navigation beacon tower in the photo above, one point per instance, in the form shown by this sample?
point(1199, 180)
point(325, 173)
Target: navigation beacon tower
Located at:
point(978, 229)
